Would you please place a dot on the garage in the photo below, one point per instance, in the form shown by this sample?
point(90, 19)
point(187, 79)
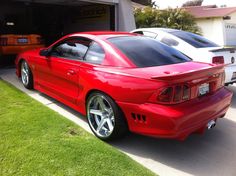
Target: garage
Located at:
point(55, 18)
point(50, 20)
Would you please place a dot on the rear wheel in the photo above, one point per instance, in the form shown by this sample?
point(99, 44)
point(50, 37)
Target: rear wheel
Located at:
point(105, 118)
point(26, 75)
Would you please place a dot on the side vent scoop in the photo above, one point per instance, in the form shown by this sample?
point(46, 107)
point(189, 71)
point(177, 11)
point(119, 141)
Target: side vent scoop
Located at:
point(139, 118)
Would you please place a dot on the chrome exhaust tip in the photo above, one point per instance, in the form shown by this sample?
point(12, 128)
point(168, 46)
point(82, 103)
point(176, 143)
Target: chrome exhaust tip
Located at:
point(211, 124)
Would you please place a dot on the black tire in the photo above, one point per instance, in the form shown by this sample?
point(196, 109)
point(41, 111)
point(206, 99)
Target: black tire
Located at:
point(29, 83)
point(120, 125)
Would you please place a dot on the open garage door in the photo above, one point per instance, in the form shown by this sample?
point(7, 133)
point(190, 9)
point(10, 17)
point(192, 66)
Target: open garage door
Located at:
point(55, 18)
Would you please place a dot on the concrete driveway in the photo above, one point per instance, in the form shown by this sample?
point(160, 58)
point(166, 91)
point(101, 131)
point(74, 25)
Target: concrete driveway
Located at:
point(212, 154)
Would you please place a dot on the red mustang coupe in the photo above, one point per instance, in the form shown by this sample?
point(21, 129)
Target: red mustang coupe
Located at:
point(122, 82)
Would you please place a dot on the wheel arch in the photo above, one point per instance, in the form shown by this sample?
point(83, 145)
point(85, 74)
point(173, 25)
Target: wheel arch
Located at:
point(100, 91)
point(19, 66)
point(31, 86)
point(96, 90)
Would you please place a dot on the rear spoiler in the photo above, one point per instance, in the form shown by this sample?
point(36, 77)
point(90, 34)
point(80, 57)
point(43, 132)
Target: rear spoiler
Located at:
point(210, 71)
point(231, 50)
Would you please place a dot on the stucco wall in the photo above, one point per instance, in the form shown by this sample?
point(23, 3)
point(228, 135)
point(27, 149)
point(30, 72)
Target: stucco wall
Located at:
point(230, 30)
point(213, 29)
point(222, 32)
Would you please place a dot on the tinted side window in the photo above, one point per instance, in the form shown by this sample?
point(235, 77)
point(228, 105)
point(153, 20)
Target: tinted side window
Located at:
point(147, 52)
point(139, 32)
point(95, 54)
point(73, 48)
point(169, 41)
point(149, 34)
point(193, 39)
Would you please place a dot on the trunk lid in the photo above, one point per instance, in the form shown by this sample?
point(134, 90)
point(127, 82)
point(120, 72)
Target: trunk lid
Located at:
point(200, 78)
point(228, 53)
point(183, 72)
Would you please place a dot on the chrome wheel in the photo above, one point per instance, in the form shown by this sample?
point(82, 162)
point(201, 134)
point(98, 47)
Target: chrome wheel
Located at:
point(100, 116)
point(25, 73)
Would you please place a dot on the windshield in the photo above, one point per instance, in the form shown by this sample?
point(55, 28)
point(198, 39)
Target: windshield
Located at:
point(193, 39)
point(147, 52)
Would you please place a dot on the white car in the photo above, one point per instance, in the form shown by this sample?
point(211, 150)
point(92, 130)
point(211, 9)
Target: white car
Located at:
point(196, 47)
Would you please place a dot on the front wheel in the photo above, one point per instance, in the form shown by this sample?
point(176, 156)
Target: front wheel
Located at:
point(26, 75)
point(105, 118)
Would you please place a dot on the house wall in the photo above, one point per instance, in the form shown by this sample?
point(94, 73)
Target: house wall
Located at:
point(230, 30)
point(222, 32)
point(212, 29)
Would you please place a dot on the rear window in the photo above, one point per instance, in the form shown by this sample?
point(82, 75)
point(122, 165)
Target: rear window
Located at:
point(193, 39)
point(147, 52)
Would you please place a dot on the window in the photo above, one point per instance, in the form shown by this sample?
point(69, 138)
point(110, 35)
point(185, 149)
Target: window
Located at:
point(169, 41)
point(95, 54)
point(73, 48)
point(147, 52)
point(147, 34)
point(195, 40)
point(139, 32)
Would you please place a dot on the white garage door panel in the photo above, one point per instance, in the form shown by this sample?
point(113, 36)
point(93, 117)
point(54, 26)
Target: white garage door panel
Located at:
point(230, 34)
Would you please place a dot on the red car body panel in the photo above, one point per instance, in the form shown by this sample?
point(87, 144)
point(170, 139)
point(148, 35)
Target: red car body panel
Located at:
point(132, 88)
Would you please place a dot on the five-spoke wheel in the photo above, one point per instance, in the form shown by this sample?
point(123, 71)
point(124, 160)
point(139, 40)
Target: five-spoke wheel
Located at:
point(104, 117)
point(26, 75)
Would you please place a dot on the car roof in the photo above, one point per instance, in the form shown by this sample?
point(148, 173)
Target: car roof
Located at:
point(168, 30)
point(101, 34)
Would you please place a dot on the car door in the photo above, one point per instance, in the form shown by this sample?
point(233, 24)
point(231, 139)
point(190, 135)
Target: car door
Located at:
point(58, 73)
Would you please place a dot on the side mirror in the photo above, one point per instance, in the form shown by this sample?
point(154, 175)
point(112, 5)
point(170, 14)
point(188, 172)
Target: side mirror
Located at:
point(44, 52)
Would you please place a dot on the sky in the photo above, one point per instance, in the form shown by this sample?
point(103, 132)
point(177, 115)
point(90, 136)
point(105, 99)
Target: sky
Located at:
point(178, 3)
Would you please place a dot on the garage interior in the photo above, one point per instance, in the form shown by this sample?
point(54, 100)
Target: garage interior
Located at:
point(55, 18)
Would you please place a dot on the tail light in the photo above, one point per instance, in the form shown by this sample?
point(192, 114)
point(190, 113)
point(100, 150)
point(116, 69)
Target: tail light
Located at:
point(3, 41)
point(39, 40)
point(218, 60)
point(171, 95)
point(186, 93)
point(166, 95)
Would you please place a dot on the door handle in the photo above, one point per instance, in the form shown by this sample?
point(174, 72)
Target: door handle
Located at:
point(71, 72)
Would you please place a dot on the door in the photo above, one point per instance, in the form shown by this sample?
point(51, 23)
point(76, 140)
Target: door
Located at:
point(58, 74)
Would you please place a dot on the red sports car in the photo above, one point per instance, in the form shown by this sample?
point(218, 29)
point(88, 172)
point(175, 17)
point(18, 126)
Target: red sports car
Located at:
point(122, 82)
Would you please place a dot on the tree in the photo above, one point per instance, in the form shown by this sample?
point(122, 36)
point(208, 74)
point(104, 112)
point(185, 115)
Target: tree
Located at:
point(147, 17)
point(193, 3)
point(168, 18)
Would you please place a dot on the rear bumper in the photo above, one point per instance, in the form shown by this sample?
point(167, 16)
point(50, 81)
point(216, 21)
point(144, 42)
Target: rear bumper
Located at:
point(16, 49)
point(176, 121)
point(229, 70)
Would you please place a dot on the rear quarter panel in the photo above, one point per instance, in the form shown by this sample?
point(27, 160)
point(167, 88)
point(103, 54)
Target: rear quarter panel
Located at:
point(119, 87)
